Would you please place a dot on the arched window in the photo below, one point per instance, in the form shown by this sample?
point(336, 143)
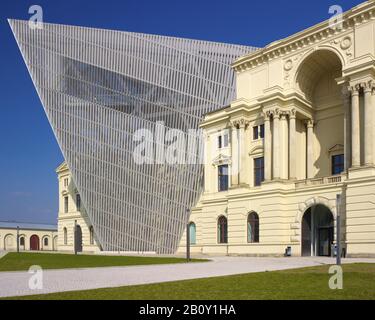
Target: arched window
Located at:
point(253, 228)
point(91, 235)
point(22, 241)
point(222, 230)
point(192, 232)
point(65, 236)
point(46, 241)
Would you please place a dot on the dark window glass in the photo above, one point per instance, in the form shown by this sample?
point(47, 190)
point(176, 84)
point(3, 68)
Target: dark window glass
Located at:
point(253, 228)
point(255, 133)
point(219, 142)
point(222, 228)
point(223, 178)
point(22, 241)
point(46, 241)
point(258, 171)
point(337, 164)
point(78, 202)
point(66, 208)
point(261, 133)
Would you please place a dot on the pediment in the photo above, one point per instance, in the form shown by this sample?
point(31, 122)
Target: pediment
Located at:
point(221, 159)
point(62, 167)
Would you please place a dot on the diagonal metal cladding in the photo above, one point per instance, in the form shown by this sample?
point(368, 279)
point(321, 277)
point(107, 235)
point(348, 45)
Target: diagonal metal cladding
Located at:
point(98, 87)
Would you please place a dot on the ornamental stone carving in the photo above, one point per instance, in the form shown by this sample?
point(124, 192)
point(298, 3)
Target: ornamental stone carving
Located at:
point(344, 44)
point(240, 123)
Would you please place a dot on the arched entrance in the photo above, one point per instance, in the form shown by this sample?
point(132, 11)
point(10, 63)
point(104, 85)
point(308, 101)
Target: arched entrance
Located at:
point(317, 231)
point(34, 242)
point(78, 239)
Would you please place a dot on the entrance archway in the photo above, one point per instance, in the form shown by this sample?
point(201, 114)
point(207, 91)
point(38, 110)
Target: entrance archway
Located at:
point(317, 231)
point(78, 239)
point(34, 242)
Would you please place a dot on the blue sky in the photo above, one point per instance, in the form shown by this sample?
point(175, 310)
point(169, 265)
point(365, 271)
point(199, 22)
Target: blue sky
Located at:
point(29, 151)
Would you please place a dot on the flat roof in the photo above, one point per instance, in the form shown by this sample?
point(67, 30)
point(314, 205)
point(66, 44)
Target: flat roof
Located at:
point(27, 225)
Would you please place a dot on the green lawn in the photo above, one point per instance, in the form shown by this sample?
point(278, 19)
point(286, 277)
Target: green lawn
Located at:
point(22, 261)
point(306, 283)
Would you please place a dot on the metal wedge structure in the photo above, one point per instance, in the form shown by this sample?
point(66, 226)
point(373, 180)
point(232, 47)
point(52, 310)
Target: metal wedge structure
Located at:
point(98, 87)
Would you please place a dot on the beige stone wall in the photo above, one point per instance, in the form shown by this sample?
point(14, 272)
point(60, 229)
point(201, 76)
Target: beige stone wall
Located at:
point(281, 217)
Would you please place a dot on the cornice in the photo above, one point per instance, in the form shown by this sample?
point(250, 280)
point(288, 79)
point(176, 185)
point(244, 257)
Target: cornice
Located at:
point(317, 33)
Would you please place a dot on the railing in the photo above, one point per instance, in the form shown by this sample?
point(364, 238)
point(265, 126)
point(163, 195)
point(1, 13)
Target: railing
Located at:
point(319, 181)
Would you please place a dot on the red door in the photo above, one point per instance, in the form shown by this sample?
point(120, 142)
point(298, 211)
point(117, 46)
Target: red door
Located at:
point(34, 242)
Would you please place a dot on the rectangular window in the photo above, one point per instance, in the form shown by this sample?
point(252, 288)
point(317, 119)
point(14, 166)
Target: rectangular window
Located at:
point(258, 132)
point(223, 178)
point(66, 182)
point(258, 171)
point(226, 140)
point(261, 131)
point(66, 208)
point(337, 164)
point(223, 141)
point(78, 202)
point(255, 133)
point(219, 142)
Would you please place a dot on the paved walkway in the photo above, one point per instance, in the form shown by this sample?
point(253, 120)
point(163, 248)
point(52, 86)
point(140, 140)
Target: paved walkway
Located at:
point(17, 283)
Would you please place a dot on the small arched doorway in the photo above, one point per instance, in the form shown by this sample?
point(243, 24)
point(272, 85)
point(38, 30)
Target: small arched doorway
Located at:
point(78, 239)
point(317, 231)
point(34, 242)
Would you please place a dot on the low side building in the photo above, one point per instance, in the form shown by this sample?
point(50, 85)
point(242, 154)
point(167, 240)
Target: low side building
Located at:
point(74, 227)
point(32, 236)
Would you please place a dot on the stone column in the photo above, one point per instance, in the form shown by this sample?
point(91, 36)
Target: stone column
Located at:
point(207, 162)
point(292, 145)
point(267, 147)
point(310, 148)
point(243, 124)
point(276, 146)
point(235, 156)
point(367, 89)
point(283, 149)
point(356, 139)
point(347, 129)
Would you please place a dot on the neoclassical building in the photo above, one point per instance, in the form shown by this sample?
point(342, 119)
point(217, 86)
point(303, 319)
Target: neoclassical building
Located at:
point(75, 232)
point(300, 133)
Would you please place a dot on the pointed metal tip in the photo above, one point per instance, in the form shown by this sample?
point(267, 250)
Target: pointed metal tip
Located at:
point(10, 22)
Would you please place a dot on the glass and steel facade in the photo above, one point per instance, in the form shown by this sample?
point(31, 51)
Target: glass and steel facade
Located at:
point(98, 87)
